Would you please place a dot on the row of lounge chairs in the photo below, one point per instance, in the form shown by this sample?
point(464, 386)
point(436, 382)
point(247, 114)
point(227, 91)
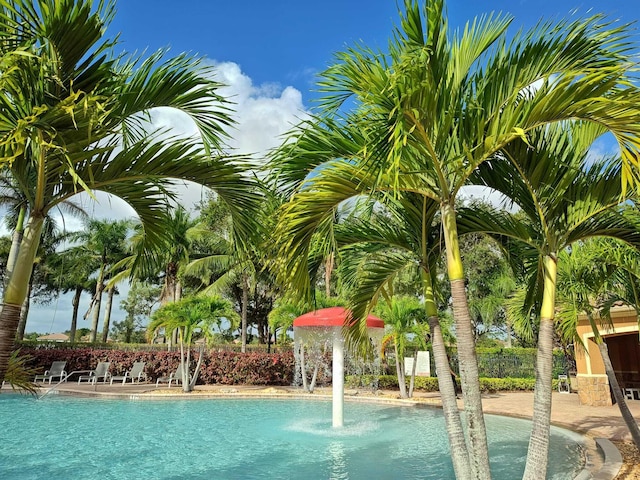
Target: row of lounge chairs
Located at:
point(101, 372)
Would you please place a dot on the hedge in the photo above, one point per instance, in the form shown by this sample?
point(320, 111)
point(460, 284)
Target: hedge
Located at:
point(227, 368)
point(430, 384)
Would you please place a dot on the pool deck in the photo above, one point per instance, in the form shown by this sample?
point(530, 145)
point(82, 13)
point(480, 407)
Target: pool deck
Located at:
point(594, 422)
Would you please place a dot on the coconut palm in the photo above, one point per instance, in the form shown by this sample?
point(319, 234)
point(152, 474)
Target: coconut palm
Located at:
point(563, 197)
point(437, 106)
point(190, 316)
point(73, 118)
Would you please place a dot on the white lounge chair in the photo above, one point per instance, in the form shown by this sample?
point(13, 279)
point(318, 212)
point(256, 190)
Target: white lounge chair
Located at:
point(101, 371)
point(55, 371)
point(173, 377)
point(136, 374)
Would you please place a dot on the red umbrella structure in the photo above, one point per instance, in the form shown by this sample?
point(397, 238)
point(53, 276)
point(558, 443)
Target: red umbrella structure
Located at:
point(332, 320)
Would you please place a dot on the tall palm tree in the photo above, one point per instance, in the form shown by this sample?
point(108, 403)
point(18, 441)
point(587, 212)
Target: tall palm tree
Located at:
point(388, 235)
point(76, 266)
point(437, 106)
point(73, 117)
point(563, 198)
point(106, 241)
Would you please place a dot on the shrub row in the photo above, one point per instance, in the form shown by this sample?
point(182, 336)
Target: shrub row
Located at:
point(430, 384)
point(228, 368)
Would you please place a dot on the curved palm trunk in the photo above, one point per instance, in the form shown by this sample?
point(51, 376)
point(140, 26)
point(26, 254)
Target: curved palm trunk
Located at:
point(107, 315)
point(455, 432)
point(245, 301)
point(479, 451)
point(97, 304)
point(538, 452)
point(617, 393)
point(75, 302)
point(16, 290)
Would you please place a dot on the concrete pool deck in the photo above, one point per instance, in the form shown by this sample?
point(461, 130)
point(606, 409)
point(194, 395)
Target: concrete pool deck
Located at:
point(594, 422)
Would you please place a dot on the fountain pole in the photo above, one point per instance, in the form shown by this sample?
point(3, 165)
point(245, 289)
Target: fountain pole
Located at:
point(338, 379)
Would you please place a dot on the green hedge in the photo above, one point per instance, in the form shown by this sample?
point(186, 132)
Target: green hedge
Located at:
point(430, 384)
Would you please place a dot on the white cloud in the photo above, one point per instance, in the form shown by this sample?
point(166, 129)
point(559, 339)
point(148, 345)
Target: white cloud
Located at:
point(262, 113)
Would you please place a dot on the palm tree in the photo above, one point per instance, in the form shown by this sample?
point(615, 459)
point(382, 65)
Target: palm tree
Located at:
point(190, 316)
point(106, 241)
point(73, 118)
point(76, 266)
point(436, 106)
point(563, 198)
point(405, 317)
point(589, 279)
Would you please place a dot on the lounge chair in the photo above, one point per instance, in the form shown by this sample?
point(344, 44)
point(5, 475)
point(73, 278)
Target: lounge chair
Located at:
point(56, 370)
point(101, 371)
point(173, 377)
point(136, 374)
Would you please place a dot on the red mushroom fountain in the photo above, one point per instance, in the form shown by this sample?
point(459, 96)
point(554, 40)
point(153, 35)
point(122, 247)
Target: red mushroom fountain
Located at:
point(326, 324)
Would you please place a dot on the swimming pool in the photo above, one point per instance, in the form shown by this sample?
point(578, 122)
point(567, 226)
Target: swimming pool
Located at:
point(75, 438)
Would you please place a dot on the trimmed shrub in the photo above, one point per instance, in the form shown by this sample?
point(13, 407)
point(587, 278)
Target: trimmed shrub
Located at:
point(228, 368)
point(430, 384)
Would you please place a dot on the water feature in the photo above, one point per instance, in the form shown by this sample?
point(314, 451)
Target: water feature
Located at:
point(77, 438)
point(315, 329)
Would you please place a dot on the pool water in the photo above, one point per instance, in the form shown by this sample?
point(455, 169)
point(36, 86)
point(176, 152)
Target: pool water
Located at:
point(74, 438)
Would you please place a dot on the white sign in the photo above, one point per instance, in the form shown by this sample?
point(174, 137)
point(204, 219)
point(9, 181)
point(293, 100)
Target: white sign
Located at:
point(423, 366)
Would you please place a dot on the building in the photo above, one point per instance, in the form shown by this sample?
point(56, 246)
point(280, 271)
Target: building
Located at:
point(623, 342)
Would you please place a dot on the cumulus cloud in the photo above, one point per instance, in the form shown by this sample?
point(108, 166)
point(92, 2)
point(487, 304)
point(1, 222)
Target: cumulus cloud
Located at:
point(262, 114)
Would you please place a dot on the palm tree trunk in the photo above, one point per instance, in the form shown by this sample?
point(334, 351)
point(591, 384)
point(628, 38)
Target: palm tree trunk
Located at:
point(455, 432)
point(412, 381)
point(328, 270)
point(245, 301)
point(97, 303)
point(24, 312)
point(479, 450)
point(400, 371)
point(75, 302)
point(107, 315)
point(617, 393)
point(538, 453)
point(16, 240)
point(16, 290)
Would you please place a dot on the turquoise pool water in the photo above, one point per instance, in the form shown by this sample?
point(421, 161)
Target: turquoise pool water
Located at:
point(74, 438)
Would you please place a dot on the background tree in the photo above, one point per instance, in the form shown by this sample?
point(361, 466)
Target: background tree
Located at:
point(140, 301)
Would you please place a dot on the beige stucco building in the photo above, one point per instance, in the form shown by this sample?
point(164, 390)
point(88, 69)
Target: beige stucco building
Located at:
point(623, 344)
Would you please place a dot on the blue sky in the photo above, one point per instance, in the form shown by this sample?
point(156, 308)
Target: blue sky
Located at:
point(286, 42)
point(268, 54)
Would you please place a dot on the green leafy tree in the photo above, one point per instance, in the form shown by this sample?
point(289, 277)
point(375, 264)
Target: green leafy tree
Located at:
point(140, 301)
point(191, 316)
point(74, 118)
